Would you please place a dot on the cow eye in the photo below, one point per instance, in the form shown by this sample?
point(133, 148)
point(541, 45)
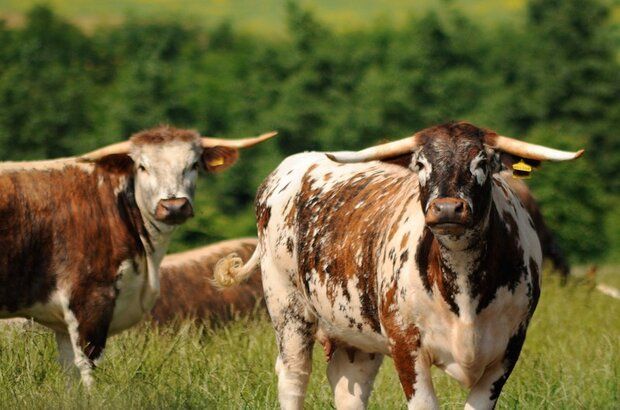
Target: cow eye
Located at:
point(419, 166)
point(141, 168)
point(483, 165)
point(195, 166)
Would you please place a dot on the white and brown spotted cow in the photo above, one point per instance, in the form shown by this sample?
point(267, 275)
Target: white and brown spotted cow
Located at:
point(81, 239)
point(415, 249)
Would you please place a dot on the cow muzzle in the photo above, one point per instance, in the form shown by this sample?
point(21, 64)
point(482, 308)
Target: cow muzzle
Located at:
point(174, 211)
point(448, 216)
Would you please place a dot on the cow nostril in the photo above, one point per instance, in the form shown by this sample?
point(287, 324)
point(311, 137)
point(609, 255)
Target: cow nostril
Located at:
point(458, 207)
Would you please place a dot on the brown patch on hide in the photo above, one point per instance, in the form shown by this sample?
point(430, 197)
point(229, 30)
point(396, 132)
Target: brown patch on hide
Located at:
point(341, 230)
point(164, 134)
point(404, 349)
point(49, 219)
point(404, 341)
point(433, 272)
point(188, 293)
point(263, 214)
point(405, 241)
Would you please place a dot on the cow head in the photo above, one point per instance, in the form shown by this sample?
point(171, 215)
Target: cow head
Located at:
point(164, 162)
point(454, 164)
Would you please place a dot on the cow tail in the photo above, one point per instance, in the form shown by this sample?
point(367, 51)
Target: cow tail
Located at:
point(230, 270)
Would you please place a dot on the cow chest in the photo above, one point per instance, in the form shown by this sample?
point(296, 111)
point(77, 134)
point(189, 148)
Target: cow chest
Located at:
point(130, 285)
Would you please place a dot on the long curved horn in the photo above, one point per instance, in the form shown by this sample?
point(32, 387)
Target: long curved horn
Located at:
point(531, 151)
point(387, 150)
point(118, 148)
point(208, 142)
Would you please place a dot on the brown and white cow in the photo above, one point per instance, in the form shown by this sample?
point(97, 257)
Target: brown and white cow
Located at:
point(82, 238)
point(188, 292)
point(415, 249)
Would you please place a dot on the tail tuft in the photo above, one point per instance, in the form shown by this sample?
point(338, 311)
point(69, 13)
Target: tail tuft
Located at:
point(227, 270)
point(230, 270)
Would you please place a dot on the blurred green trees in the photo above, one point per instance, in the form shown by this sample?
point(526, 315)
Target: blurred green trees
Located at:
point(553, 79)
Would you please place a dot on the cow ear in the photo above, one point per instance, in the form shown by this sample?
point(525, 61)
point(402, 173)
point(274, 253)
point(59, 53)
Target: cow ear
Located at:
point(218, 158)
point(116, 163)
point(401, 160)
point(508, 161)
point(495, 161)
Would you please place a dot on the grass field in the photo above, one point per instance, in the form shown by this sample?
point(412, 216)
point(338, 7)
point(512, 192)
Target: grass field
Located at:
point(571, 360)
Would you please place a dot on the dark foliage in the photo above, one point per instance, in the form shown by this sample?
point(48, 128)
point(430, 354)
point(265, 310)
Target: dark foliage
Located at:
point(554, 79)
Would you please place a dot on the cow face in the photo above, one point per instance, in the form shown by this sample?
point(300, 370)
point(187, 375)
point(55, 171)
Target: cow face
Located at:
point(164, 163)
point(454, 169)
point(454, 163)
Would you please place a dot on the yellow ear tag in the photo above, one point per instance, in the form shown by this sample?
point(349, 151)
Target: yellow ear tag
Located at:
point(521, 170)
point(216, 162)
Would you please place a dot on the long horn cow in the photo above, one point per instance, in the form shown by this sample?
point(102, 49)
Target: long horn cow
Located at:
point(415, 249)
point(82, 238)
point(188, 292)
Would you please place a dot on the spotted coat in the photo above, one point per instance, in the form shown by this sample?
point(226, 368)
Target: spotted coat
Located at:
point(346, 257)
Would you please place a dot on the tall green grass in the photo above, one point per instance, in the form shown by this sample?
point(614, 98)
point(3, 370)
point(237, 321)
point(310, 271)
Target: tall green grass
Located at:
point(571, 360)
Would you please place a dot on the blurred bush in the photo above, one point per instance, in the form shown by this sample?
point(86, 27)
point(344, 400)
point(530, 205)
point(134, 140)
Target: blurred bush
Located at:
point(553, 79)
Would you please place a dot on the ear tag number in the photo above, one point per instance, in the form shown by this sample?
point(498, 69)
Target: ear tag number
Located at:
point(521, 170)
point(216, 162)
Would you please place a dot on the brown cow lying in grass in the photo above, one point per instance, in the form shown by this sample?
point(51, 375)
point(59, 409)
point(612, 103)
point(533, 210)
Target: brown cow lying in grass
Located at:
point(187, 291)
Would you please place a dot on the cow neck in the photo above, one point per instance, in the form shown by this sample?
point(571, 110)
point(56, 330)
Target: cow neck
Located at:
point(459, 262)
point(451, 266)
point(155, 239)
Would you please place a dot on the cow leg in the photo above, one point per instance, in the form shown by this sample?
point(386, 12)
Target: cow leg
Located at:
point(486, 391)
point(88, 318)
point(351, 374)
point(414, 372)
point(65, 351)
point(295, 329)
point(295, 336)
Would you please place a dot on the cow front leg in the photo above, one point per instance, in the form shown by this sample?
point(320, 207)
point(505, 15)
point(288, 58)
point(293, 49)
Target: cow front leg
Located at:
point(351, 374)
point(414, 370)
point(486, 391)
point(88, 318)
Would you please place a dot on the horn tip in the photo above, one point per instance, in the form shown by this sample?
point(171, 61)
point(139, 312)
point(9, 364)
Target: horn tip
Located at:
point(579, 153)
point(267, 135)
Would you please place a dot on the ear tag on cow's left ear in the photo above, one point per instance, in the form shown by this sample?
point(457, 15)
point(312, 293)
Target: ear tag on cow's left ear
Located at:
point(521, 170)
point(216, 162)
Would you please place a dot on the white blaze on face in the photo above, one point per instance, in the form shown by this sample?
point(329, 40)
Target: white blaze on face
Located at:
point(423, 168)
point(478, 168)
point(165, 171)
